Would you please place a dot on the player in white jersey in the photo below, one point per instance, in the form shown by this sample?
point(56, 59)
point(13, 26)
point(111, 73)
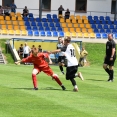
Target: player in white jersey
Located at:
point(72, 63)
point(61, 58)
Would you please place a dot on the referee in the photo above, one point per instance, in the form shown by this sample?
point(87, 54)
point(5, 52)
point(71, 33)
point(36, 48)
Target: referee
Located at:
point(110, 57)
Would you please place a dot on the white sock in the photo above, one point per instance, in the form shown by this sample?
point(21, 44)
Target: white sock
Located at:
point(76, 75)
point(76, 86)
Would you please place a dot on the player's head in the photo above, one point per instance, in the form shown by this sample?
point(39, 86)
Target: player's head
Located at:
point(60, 40)
point(110, 36)
point(34, 51)
point(67, 40)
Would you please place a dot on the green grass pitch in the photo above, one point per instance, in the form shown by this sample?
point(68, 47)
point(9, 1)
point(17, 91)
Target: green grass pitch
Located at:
point(96, 96)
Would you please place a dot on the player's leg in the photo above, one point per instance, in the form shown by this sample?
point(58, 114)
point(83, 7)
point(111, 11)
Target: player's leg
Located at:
point(34, 78)
point(55, 77)
point(60, 65)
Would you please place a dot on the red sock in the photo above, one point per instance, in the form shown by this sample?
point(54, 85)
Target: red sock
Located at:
point(57, 80)
point(34, 80)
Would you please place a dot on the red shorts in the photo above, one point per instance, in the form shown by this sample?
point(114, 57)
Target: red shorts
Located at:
point(45, 69)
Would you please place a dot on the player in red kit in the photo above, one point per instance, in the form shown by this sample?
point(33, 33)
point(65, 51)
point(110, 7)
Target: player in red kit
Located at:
point(40, 64)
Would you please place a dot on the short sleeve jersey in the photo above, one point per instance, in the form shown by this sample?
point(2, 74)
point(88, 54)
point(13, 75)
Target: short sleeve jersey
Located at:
point(109, 46)
point(70, 55)
point(59, 46)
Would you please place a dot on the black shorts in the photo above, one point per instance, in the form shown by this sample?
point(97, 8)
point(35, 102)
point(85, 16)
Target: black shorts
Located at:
point(61, 59)
point(26, 55)
point(108, 62)
point(71, 71)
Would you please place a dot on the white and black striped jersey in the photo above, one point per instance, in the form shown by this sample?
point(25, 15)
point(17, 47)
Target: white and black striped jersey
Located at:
point(69, 51)
point(59, 46)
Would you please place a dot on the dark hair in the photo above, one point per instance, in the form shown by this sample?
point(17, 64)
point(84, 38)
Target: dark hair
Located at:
point(39, 45)
point(68, 39)
point(59, 37)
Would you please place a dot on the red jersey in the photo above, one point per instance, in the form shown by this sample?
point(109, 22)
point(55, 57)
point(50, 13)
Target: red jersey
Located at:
point(38, 61)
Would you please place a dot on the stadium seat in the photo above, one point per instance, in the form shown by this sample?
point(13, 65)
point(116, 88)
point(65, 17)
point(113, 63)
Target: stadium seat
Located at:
point(55, 34)
point(65, 29)
point(53, 29)
point(2, 22)
point(96, 30)
point(25, 18)
point(78, 17)
point(80, 21)
point(17, 32)
point(19, 19)
point(22, 28)
point(38, 19)
point(42, 33)
point(115, 35)
point(74, 34)
point(93, 26)
point(59, 29)
point(81, 25)
point(86, 35)
point(28, 28)
point(62, 20)
point(4, 32)
point(115, 22)
point(108, 31)
point(72, 17)
point(69, 25)
point(33, 24)
point(21, 23)
point(72, 30)
point(24, 32)
point(36, 33)
point(91, 21)
point(16, 27)
point(11, 32)
point(27, 23)
point(68, 34)
point(41, 29)
point(61, 34)
point(12, 14)
point(101, 18)
point(13, 18)
point(95, 18)
point(45, 24)
point(7, 18)
point(18, 14)
point(49, 34)
point(98, 35)
point(15, 23)
point(102, 31)
point(68, 21)
point(51, 24)
point(30, 33)
point(32, 19)
point(107, 18)
point(84, 17)
point(88, 26)
point(54, 16)
point(80, 35)
point(34, 28)
point(39, 24)
point(92, 35)
point(74, 21)
point(48, 16)
point(75, 25)
point(97, 21)
point(78, 30)
point(104, 35)
point(111, 26)
point(44, 20)
point(89, 17)
point(105, 26)
point(57, 25)
point(86, 21)
point(84, 30)
point(3, 27)
point(114, 30)
point(103, 22)
point(47, 29)
point(99, 26)
point(90, 30)
point(1, 17)
point(64, 25)
point(30, 15)
point(8, 22)
point(56, 20)
point(10, 27)
point(50, 20)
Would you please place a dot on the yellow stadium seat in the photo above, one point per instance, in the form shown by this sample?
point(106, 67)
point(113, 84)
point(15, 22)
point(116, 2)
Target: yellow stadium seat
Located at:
point(17, 32)
point(3, 27)
point(74, 21)
point(88, 26)
point(60, 16)
point(84, 30)
point(12, 14)
point(86, 21)
point(72, 30)
point(78, 30)
point(78, 17)
point(2, 22)
point(79, 21)
point(18, 14)
point(63, 25)
point(68, 21)
point(81, 25)
point(24, 32)
point(74, 34)
point(21, 23)
point(67, 34)
point(84, 17)
point(92, 35)
point(10, 27)
point(72, 17)
point(62, 20)
point(80, 35)
point(15, 23)
point(86, 35)
point(16, 27)
point(7, 18)
point(8, 22)
point(19, 19)
point(1, 17)
point(69, 25)
point(13, 18)
point(90, 30)
point(75, 25)
point(65, 29)
point(22, 28)
point(11, 32)
point(4, 32)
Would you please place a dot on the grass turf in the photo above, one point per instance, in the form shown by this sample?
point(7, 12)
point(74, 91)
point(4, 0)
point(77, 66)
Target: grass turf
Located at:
point(96, 96)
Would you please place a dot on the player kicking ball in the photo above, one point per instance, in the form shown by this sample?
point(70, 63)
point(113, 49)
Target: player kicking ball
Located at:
point(40, 64)
point(72, 63)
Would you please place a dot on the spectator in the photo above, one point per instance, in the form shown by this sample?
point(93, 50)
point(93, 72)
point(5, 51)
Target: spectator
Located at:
point(1, 10)
point(25, 12)
point(13, 7)
point(40, 49)
point(6, 11)
point(67, 14)
point(20, 51)
point(60, 9)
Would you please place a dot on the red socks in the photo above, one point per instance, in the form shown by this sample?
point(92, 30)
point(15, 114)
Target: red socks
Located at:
point(34, 80)
point(55, 77)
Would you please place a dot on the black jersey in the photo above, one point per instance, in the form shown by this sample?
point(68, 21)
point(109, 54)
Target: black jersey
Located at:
point(109, 46)
point(20, 49)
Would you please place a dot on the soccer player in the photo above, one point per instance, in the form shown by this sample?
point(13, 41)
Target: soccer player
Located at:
point(40, 64)
point(72, 63)
point(110, 57)
point(61, 58)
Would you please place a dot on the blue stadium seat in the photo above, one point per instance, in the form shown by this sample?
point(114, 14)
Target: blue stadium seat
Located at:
point(57, 25)
point(33, 24)
point(96, 30)
point(61, 34)
point(111, 26)
point(35, 28)
point(107, 18)
point(30, 33)
point(99, 26)
point(56, 20)
point(42, 33)
point(54, 16)
point(95, 18)
point(30, 15)
point(101, 18)
point(39, 24)
point(38, 19)
point(98, 35)
point(97, 22)
point(44, 20)
point(115, 26)
point(104, 35)
point(36, 33)
point(103, 22)
point(32, 19)
point(102, 31)
point(115, 35)
point(55, 34)
point(93, 26)
point(51, 25)
point(27, 23)
point(47, 29)
point(115, 22)
point(108, 31)
point(25, 18)
point(45, 24)
point(28, 28)
point(89, 17)
point(50, 20)
point(49, 33)
point(91, 21)
point(105, 26)
point(114, 31)
point(109, 22)
point(59, 29)
point(48, 16)
point(41, 29)
point(53, 29)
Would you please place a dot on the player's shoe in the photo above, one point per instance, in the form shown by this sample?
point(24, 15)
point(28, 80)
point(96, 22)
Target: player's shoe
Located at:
point(35, 88)
point(80, 76)
point(62, 72)
point(75, 89)
point(63, 87)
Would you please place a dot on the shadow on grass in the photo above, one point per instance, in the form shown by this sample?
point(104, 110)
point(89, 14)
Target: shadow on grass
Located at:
point(95, 80)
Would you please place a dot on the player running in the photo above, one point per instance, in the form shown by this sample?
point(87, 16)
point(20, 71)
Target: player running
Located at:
point(40, 64)
point(72, 63)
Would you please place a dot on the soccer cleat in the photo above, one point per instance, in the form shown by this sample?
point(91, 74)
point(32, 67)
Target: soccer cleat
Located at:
point(35, 88)
point(63, 87)
point(75, 89)
point(80, 76)
point(63, 72)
